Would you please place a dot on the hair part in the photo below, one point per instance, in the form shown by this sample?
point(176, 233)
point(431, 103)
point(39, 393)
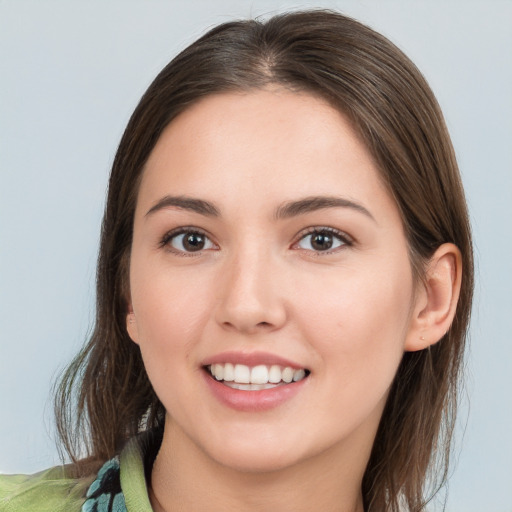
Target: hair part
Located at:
point(390, 105)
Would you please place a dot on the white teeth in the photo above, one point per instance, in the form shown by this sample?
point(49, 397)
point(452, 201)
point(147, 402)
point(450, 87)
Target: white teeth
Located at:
point(297, 375)
point(287, 374)
point(274, 375)
point(218, 371)
point(229, 372)
point(241, 376)
point(249, 387)
point(259, 375)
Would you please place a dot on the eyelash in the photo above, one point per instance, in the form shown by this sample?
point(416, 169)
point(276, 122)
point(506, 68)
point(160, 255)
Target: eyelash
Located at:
point(168, 237)
point(346, 240)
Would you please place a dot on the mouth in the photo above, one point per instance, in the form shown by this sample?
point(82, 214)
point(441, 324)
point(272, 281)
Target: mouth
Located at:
point(255, 378)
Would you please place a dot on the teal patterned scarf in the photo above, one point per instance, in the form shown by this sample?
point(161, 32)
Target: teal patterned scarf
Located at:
point(105, 494)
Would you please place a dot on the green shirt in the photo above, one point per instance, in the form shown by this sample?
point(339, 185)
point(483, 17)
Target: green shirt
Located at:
point(119, 486)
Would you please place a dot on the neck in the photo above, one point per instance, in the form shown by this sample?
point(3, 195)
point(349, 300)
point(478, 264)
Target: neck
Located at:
point(186, 479)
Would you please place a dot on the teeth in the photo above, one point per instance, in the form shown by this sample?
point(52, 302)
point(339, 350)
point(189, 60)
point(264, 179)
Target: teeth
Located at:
point(249, 387)
point(274, 375)
point(297, 375)
point(218, 371)
point(240, 376)
point(259, 375)
point(229, 372)
point(287, 374)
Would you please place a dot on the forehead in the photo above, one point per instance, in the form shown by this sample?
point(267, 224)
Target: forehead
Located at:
point(268, 142)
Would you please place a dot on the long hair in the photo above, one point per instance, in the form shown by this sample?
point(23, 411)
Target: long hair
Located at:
point(105, 396)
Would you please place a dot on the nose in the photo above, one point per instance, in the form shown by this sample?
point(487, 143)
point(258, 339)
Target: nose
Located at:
point(250, 299)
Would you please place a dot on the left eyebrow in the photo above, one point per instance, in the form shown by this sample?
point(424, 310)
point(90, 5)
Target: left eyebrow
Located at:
point(313, 203)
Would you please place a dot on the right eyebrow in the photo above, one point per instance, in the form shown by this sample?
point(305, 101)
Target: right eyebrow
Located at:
point(185, 203)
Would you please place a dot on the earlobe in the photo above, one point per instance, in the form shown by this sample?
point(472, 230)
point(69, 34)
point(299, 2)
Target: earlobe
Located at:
point(131, 325)
point(436, 300)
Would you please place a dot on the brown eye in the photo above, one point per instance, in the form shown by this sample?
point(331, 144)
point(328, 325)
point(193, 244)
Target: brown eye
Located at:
point(190, 241)
point(322, 240)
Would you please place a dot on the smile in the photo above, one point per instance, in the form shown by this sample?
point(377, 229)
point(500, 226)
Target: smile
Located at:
point(255, 378)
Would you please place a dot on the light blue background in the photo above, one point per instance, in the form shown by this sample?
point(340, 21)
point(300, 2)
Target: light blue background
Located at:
point(70, 75)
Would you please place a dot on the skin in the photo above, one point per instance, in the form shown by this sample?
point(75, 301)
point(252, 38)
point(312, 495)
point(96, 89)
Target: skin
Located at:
point(346, 314)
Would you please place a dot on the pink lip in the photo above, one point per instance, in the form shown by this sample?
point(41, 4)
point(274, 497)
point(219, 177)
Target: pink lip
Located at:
point(252, 401)
point(250, 359)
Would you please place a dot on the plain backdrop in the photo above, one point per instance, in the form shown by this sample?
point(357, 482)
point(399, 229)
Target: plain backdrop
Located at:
point(70, 75)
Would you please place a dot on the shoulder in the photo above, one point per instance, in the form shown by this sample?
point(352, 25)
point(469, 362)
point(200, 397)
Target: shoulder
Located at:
point(120, 485)
point(52, 490)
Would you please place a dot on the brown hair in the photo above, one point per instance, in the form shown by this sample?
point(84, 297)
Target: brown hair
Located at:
point(388, 101)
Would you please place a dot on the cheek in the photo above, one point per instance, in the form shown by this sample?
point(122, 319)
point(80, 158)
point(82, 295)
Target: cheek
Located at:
point(169, 320)
point(169, 308)
point(359, 323)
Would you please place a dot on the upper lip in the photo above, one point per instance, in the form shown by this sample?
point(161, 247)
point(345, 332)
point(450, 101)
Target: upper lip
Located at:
point(251, 359)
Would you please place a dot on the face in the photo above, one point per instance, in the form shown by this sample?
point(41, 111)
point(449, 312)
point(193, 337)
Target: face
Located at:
point(266, 249)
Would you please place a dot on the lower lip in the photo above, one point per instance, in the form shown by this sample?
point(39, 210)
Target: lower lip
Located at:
point(253, 401)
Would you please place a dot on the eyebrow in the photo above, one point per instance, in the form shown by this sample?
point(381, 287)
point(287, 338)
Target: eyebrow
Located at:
point(284, 211)
point(313, 203)
point(186, 203)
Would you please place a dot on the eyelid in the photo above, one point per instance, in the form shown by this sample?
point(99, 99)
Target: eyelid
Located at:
point(344, 237)
point(164, 242)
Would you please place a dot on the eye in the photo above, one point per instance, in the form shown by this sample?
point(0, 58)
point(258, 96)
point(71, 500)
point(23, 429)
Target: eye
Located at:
point(323, 240)
point(188, 240)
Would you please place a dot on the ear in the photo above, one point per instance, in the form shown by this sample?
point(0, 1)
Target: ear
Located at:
point(131, 324)
point(436, 299)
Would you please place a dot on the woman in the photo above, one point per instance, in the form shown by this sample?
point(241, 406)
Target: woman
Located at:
point(284, 286)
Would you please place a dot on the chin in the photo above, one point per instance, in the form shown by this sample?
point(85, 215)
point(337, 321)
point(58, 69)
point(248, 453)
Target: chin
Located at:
point(260, 462)
point(256, 456)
